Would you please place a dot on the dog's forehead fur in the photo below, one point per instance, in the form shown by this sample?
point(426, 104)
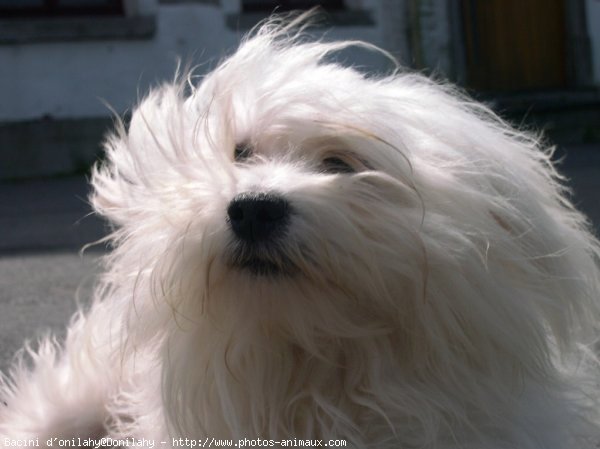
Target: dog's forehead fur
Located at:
point(276, 94)
point(286, 98)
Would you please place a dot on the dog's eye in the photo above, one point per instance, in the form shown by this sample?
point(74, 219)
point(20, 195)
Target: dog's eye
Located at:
point(336, 165)
point(242, 152)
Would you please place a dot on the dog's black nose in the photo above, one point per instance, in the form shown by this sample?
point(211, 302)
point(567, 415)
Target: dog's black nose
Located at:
point(257, 217)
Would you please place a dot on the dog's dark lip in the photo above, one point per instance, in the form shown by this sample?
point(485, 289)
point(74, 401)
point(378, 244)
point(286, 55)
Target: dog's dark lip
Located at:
point(264, 261)
point(259, 267)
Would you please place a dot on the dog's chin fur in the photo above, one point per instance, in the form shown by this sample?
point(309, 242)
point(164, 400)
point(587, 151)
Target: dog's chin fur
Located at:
point(444, 294)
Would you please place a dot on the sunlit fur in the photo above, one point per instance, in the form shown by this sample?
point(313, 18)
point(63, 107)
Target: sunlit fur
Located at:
point(444, 295)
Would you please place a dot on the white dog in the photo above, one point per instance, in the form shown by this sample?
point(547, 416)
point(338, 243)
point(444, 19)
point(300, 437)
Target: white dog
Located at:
point(303, 251)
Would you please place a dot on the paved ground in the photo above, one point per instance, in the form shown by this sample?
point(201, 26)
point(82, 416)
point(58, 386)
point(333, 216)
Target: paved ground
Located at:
point(43, 224)
point(38, 293)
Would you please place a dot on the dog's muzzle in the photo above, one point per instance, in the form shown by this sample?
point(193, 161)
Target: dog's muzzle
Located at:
point(259, 222)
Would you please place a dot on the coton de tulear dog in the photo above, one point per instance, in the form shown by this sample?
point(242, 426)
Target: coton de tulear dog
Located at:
point(303, 252)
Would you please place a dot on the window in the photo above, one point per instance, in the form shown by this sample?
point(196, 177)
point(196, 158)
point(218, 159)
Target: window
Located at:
point(245, 14)
point(59, 8)
point(287, 5)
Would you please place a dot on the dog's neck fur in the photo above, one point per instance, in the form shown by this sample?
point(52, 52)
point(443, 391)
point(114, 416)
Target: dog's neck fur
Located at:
point(289, 391)
point(240, 370)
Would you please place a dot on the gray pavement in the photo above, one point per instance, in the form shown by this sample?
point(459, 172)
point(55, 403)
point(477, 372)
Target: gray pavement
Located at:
point(44, 223)
point(39, 292)
point(43, 277)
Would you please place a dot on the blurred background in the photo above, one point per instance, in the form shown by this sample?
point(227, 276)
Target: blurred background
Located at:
point(535, 62)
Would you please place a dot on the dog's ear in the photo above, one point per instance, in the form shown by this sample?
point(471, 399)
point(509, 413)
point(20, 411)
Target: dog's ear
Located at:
point(140, 161)
point(114, 182)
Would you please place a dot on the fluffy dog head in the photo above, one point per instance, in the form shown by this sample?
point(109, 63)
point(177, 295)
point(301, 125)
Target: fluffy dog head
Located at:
point(310, 251)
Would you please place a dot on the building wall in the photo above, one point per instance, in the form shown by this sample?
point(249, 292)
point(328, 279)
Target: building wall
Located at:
point(593, 17)
point(74, 79)
point(54, 95)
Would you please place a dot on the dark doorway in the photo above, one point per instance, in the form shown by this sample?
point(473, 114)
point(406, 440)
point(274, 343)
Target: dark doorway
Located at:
point(514, 45)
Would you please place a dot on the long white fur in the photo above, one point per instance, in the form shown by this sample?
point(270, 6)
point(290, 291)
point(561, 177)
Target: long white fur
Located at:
point(447, 294)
